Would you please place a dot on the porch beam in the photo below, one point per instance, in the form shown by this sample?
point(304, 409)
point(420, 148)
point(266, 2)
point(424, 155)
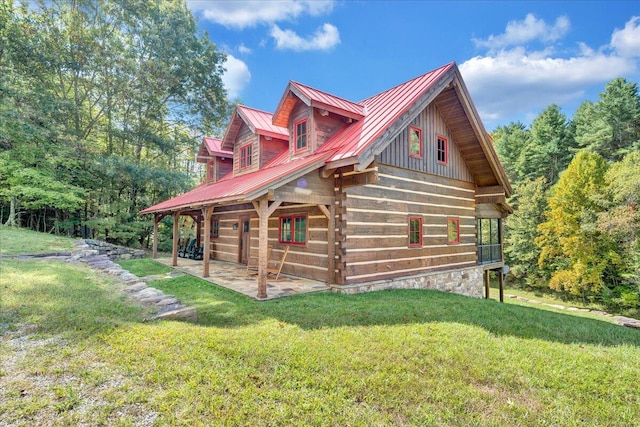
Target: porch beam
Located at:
point(174, 248)
point(292, 197)
point(263, 243)
point(207, 212)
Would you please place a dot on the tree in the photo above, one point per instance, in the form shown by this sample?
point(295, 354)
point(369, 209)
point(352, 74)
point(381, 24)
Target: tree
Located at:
point(550, 147)
point(621, 222)
point(578, 255)
point(611, 126)
point(509, 142)
point(521, 229)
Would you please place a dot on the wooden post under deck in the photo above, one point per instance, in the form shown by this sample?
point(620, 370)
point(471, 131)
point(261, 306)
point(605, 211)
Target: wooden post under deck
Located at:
point(174, 249)
point(486, 284)
point(207, 241)
point(263, 243)
point(501, 282)
point(156, 220)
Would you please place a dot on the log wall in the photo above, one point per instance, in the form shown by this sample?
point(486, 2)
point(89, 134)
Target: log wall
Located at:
point(373, 226)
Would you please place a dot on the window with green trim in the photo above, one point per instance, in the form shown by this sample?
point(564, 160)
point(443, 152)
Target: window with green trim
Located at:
point(293, 230)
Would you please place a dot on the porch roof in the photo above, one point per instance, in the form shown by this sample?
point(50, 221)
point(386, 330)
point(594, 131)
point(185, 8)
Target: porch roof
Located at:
point(246, 187)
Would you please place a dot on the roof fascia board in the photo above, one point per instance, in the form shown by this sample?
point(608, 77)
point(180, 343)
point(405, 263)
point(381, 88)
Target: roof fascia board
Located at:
point(405, 117)
point(230, 135)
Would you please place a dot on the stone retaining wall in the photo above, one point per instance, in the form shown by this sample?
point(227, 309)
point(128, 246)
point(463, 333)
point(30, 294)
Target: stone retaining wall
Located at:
point(467, 281)
point(114, 252)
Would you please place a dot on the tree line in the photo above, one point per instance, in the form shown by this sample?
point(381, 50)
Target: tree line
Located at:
point(102, 105)
point(576, 225)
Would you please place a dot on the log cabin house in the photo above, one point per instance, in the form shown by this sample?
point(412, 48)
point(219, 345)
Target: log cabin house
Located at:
point(401, 190)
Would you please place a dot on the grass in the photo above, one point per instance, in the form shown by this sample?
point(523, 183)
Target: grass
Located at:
point(17, 241)
point(144, 267)
point(383, 358)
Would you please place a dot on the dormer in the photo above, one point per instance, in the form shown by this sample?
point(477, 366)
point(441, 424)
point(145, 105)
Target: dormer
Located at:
point(219, 162)
point(253, 139)
point(312, 117)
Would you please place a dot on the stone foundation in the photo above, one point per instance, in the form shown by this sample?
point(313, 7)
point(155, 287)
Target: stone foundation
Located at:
point(466, 281)
point(112, 251)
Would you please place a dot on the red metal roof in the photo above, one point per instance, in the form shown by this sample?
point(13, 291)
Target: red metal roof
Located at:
point(318, 98)
point(377, 113)
point(249, 185)
point(214, 146)
point(381, 111)
point(262, 122)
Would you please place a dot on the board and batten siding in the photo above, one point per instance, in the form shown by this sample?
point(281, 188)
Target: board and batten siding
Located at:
point(432, 125)
point(375, 222)
point(246, 136)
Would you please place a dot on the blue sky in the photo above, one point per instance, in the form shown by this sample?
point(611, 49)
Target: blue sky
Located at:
point(515, 57)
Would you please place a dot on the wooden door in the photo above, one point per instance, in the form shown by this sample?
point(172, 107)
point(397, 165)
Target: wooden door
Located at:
point(244, 240)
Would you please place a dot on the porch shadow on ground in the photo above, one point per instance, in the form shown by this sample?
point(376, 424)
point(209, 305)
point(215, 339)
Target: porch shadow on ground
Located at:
point(235, 277)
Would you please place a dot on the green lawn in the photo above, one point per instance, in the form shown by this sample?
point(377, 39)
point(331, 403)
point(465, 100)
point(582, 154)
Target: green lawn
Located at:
point(383, 358)
point(17, 241)
point(144, 267)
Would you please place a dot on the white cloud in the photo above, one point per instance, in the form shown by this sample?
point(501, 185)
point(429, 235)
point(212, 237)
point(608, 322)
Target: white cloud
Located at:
point(243, 49)
point(627, 41)
point(513, 81)
point(243, 14)
point(529, 29)
point(324, 38)
point(237, 76)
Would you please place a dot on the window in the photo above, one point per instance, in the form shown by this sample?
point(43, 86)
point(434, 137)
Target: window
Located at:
point(453, 230)
point(245, 156)
point(415, 232)
point(489, 248)
point(215, 228)
point(300, 135)
point(211, 170)
point(442, 150)
point(415, 141)
point(293, 229)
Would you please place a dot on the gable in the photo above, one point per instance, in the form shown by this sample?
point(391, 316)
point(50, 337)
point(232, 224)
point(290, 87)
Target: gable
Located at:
point(432, 125)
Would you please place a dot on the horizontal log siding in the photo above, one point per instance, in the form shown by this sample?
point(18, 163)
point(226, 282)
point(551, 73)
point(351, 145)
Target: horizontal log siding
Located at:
point(375, 217)
point(226, 247)
point(432, 125)
point(245, 136)
point(308, 260)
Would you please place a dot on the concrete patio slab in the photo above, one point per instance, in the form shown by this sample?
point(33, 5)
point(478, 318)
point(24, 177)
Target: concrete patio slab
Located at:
point(235, 277)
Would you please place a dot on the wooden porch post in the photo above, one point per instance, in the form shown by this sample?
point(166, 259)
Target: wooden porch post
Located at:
point(198, 230)
point(263, 243)
point(486, 284)
point(156, 219)
point(501, 282)
point(330, 212)
point(207, 240)
point(174, 249)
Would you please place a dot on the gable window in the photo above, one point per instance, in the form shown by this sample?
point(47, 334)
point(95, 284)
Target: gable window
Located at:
point(211, 170)
point(245, 156)
point(442, 150)
point(415, 232)
point(415, 141)
point(300, 135)
point(453, 230)
point(215, 228)
point(293, 230)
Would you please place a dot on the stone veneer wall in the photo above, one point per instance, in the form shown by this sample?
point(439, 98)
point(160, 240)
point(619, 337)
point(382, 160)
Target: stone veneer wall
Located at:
point(112, 251)
point(466, 281)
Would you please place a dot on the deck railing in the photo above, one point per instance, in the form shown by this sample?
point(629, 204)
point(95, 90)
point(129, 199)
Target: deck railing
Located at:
point(489, 253)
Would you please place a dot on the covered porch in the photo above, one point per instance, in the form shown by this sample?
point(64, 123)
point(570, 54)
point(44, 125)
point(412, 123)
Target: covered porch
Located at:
point(234, 277)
